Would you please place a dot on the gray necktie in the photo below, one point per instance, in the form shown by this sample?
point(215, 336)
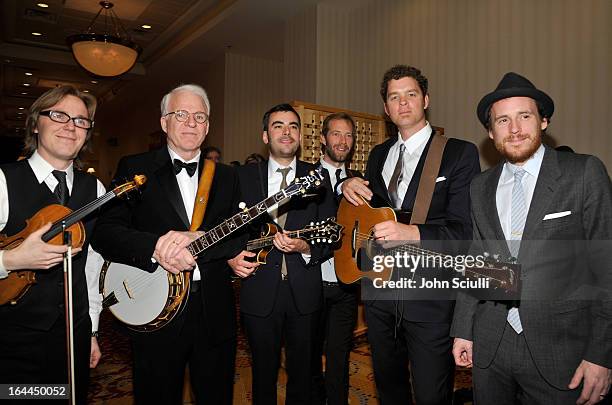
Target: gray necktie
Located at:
point(518, 215)
point(61, 190)
point(282, 218)
point(396, 177)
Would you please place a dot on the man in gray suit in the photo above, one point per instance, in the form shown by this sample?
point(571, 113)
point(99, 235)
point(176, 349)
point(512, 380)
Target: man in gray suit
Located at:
point(547, 348)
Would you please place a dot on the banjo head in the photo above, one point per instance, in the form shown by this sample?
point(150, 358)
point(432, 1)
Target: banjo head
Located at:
point(140, 296)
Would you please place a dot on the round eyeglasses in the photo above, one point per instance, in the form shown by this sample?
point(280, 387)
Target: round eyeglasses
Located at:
point(181, 116)
point(62, 117)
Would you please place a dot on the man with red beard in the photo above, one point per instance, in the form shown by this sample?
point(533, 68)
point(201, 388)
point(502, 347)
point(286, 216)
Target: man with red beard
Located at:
point(283, 298)
point(547, 348)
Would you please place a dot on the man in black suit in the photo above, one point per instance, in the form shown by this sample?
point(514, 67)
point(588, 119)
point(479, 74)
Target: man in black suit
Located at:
point(404, 331)
point(33, 337)
point(283, 297)
point(153, 229)
point(339, 313)
point(554, 346)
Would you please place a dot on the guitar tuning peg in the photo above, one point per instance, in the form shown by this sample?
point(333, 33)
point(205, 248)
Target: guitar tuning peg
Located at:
point(496, 257)
point(242, 206)
point(486, 254)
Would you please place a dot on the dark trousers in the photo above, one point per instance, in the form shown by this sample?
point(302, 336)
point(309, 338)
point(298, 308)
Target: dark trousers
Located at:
point(426, 346)
point(160, 359)
point(513, 378)
point(39, 357)
point(265, 335)
point(335, 340)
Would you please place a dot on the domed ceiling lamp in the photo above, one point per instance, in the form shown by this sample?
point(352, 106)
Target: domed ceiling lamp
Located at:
point(107, 54)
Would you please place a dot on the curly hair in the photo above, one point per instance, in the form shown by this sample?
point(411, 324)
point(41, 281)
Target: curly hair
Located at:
point(399, 71)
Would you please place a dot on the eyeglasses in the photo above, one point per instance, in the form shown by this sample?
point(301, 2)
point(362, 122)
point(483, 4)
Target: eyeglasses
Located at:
point(62, 117)
point(181, 116)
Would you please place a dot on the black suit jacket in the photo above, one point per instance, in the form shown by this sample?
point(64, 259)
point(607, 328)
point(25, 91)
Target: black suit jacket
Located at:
point(448, 217)
point(127, 231)
point(258, 291)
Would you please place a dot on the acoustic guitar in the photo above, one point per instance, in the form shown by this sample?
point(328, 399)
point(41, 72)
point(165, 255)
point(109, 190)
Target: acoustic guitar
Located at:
point(358, 243)
point(13, 287)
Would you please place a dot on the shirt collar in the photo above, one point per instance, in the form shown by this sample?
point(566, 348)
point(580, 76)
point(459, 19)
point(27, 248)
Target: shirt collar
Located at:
point(42, 169)
point(174, 155)
point(332, 169)
point(532, 166)
point(418, 139)
point(273, 165)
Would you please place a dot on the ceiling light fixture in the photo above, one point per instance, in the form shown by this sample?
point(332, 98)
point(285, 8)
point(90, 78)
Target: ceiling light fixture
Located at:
point(94, 81)
point(42, 5)
point(146, 26)
point(109, 53)
point(21, 108)
point(28, 74)
point(26, 84)
point(36, 34)
point(23, 93)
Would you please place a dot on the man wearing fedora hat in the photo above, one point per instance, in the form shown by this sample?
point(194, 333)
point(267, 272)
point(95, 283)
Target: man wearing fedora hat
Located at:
point(549, 347)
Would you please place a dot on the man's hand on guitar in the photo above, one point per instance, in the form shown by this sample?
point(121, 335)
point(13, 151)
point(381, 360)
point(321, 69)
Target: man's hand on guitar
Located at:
point(391, 233)
point(33, 253)
point(290, 245)
point(354, 189)
point(462, 352)
point(171, 251)
point(242, 267)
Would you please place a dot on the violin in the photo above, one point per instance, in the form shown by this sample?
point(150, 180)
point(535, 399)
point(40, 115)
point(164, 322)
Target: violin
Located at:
point(18, 282)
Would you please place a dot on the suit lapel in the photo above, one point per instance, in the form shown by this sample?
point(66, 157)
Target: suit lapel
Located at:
point(379, 187)
point(167, 180)
point(490, 204)
point(543, 193)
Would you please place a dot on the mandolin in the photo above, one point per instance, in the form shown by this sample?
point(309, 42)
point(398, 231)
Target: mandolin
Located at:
point(18, 282)
point(327, 231)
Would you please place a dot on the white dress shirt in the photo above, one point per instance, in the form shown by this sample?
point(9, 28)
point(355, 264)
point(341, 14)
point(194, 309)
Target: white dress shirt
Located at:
point(328, 269)
point(414, 147)
point(503, 197)
point(189, 189)
point(274, 181)
point(43, 172)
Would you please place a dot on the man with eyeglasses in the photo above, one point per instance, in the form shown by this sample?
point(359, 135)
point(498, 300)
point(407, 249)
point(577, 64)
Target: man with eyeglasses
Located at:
point(33, 337)
point(153, 230)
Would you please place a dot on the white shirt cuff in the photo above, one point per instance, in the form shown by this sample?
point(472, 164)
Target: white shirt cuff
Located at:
point(3, 272)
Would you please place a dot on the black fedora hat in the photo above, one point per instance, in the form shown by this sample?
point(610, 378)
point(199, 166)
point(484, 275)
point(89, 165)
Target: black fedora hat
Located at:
point(514, 85)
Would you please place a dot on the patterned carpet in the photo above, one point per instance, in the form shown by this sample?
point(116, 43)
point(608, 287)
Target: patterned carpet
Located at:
point(111, 381)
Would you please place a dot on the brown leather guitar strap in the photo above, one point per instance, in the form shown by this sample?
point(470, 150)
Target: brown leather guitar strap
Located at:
point(199, 208)
point(427, 183)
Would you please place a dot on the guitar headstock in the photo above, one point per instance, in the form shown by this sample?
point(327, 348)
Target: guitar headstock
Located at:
point(502, 275)
point(301, 184)
point(327, 231)
point(138, 181)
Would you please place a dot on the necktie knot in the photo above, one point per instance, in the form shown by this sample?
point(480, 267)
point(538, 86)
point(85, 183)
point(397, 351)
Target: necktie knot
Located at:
point(190, 168)
point(519, 174)
point(338, 175)
point(61, 190)
point(284, 171)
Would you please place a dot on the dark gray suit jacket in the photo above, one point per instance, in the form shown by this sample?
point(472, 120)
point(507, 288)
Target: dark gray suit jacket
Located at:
point(560, 329)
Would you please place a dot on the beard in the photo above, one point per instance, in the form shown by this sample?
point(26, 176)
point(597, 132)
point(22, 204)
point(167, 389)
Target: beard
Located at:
point(338, 157)
point(284, 150)
point(522, 153)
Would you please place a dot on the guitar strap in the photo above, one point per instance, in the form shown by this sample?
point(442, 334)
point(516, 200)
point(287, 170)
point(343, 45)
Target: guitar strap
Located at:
point(427, 182)
point(201, 202)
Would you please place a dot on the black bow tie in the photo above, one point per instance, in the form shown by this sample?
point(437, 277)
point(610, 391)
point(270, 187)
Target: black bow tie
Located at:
point(189, 167)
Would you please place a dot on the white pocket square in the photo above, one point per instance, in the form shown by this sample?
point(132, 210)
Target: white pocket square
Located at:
point(441, 178)
point(557, 215)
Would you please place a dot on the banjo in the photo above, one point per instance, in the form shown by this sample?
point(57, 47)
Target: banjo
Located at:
point(147, 301)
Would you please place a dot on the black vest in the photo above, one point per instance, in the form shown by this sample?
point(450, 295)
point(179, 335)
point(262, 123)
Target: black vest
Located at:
point(44, 302)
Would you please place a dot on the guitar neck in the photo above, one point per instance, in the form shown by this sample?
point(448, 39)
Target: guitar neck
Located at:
point(234, 223)
point(266, 241)
point(77, 215)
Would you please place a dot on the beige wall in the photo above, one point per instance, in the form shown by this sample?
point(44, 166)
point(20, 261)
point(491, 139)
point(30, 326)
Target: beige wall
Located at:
point(252, 86)
point(465, 46)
